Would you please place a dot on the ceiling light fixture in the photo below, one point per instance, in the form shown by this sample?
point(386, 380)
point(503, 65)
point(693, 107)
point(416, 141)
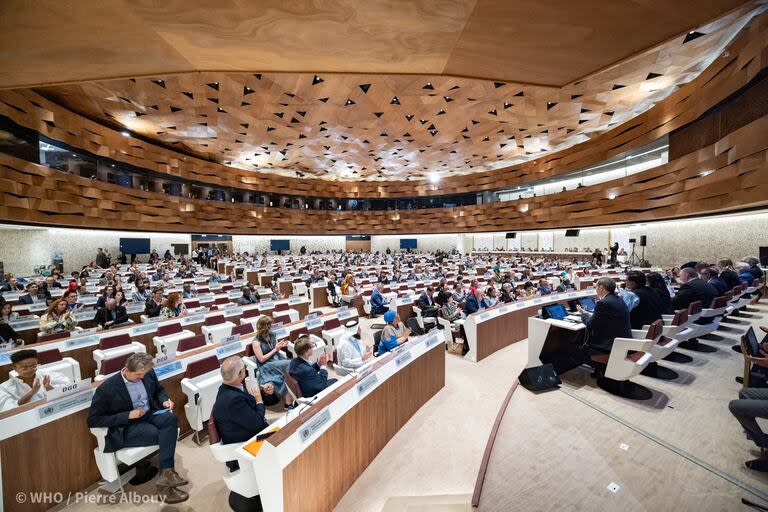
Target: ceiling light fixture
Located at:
point(434, 178)
point(125, 134)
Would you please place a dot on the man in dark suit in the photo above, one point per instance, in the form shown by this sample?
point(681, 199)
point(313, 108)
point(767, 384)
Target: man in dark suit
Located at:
point(34, 295)
point(474, 302)
point(312, 377)
point(238, 414)
point(110, 315)
point(609, 320)
point(711, 276)
point(379, 305)
point(135, 408)
point(427, 305)
point(648, 307)
point(693, 289)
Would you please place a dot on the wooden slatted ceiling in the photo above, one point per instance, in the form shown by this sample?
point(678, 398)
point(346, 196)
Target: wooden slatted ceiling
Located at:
point(387, 127)
point(30, 193)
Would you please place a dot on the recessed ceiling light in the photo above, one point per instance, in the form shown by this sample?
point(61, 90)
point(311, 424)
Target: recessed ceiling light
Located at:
point(125, 134)
point(434, 177)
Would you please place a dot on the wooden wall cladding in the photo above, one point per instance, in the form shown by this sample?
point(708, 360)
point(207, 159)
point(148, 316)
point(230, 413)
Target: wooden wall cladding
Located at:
point(743, 59)
point(728, 175)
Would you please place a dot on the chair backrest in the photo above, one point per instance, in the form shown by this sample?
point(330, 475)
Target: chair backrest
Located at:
point(694, 308)
point(294, 334)
point(281, 306)
point(719, 302)
point(214, 319)
point(114, 341)
point(293, 385)
point(681, 317)
point(655, 330)
point(113, 364)
point(191, 343)
point(48, 356)
point(54, 336)
point(331, 323)
point(201, 367)
point(213, 431)
point(249, 350)
point(243, 329)
point(192, 303)
point(376, 340)
point(168, 329)
point(250, 313)
point(221, 300)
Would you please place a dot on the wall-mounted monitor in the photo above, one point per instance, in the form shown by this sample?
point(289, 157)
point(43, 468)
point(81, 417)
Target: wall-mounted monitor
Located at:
point(408, 243)
point(571, 232)
point(134, 245)
point(279, 245)
point(511, 235)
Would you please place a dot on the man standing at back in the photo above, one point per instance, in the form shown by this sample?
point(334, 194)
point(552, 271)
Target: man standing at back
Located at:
point(609, 320)
point(102, 261)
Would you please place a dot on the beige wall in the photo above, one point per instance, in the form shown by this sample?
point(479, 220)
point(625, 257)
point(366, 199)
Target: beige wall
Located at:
point(426, 243)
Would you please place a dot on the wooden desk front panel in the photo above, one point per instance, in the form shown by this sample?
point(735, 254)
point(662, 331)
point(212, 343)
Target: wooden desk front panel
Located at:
point(320, 297)
point(318, 478)
point(55, 457)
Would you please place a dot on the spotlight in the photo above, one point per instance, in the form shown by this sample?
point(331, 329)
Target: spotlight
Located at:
point(125, 134)
point(434, 178)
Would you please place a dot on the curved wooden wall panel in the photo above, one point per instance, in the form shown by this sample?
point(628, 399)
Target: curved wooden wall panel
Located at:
point(731, 174)
point(744, 58)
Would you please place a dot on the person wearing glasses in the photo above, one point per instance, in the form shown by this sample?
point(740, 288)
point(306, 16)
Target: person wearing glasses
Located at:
point(25, 383)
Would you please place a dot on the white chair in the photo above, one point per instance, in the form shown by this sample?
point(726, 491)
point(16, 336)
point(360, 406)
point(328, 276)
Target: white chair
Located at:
point(216, 328)
point(333, 332)
point(662, 347)
point(108, 462)
point(201, 382)
point(299, 288)
point(620, 366)
point(423, 321)
point(111, 347)
point(318, 346)
point(242, 482)
point(447, 329)
point(168, 337)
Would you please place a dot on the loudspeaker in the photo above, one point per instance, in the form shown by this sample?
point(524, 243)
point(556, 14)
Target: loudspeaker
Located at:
point(764, 256)
point(539, 378)
point(511, 235)
point(642, 240)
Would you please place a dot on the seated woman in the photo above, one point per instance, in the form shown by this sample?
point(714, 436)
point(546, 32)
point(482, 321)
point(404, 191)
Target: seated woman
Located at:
point(394, 333)
point(529, 291)
point(459, 295)
point(451, 311)
point(173, 308)
point(491, 297)
point(120, 299)
point(270, 358)
point(348, 290)
point(7, 314)
point(28, 385)
point(109, 293)
point(507, 293)
point(58, 318)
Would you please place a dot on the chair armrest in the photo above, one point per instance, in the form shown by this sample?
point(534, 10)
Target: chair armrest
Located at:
point(639, 334)
point(190, 389)
point(100, 433)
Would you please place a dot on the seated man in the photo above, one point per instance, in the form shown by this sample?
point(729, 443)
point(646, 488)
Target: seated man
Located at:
point(352, 352)
point(609, 320)
point(379, 305)
point(247, 298)
point(310, 375)
point(692, 289)
point(753, 404)
point(135, 408)
point(110, 315)
point(238, 413)
point(29, 385)
point(187, 292)
point(474, 302)
point(427, 305)
point(33, 295)
point(544, 288)
point(646, 307)
point(155, 303)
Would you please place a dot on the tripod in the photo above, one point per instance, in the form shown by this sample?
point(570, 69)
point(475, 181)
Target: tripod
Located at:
point(633, 258)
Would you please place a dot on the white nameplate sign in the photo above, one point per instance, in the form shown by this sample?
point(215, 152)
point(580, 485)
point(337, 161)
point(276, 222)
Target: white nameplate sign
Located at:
point(294, 299)
point(143, 329)
point(345, 314)
point(233, 311)
point(230, 339)
point(85, 315)
point(135, 307)
point(266, 304)
point(40, 306)
point(403, 358)
point(314, 323)
point(87, 332)
point(193, 319)
point(485, 316)
point(81, 341)
point(10, 297)
point(434, 338)
point(538, 300)
point(228, 349)
point(314, 424)
point(281, 333)
point(69, 389)
point(26, 324)
point(63, 405)
point(161, 371)
point(164, 359)
point(366, 384)
point(405, 300)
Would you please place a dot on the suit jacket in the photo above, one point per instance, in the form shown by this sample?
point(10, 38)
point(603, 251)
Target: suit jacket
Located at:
point(311, 378)
point(111, 405)
point(719, 285)
point(472, 305)
point(692, 291)
point(103, 315)
point(426, 304)
point(377, 301)
point(152, 308)
point(238, 417)
point(648, 308)
point(610, 320)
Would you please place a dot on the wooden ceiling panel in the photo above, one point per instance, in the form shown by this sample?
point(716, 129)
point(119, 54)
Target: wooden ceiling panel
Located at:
point(553, 43)
point(342, 126)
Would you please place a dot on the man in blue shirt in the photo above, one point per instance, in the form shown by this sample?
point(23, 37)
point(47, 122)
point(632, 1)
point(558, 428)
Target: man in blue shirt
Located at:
point(311, 376)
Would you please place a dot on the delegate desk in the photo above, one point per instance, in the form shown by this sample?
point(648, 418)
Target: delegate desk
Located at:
point(492, 329)
point(320, 451)
point(550, 339)
point(46, 446)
